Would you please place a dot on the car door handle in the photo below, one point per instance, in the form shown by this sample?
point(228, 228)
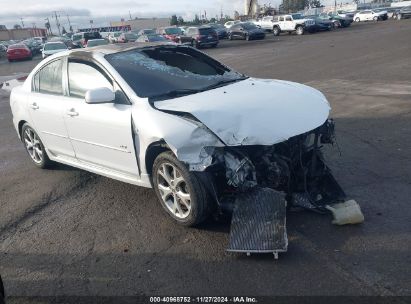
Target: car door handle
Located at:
point(34, 106)
point(72, 112)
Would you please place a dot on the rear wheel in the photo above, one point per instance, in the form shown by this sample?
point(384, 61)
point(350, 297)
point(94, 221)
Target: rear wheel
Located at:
point(375, 18)
point(299, 30)
point(357, 19)
point(180, 192)
point(35, 147)
point(247, 37)
point(336, 24)
point(399, 17)
point(276, 31)
point(230, 37)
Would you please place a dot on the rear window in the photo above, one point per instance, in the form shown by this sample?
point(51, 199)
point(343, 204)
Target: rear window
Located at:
point(49, 79)
point(17, 46)
point(206, 31)
point(92, 35)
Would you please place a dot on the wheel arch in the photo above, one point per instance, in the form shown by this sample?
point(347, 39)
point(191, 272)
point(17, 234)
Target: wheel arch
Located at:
point(20, 127)
point(154, 150)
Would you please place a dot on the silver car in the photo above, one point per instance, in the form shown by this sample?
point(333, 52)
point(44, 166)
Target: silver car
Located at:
point(172, 118)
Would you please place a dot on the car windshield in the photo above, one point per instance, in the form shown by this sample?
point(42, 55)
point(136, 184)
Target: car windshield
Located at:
point(173, 31)
point(117, 34)
point(96, 42)
point(168, 71)
point(249, 26)
point(297, 16)
point(154, 38)
point(54, 46)
point(148, 32)
point(17, 46)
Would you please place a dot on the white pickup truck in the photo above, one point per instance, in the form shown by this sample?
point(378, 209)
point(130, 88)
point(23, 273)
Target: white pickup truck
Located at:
point(286, 23)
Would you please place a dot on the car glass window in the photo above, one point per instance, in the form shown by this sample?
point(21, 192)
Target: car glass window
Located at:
point(288, 18)
point(49, 79)
point(157, 71)
point(83, 77)
point(281, 18)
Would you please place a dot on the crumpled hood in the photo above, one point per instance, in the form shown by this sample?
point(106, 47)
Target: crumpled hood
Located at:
point(255, 111)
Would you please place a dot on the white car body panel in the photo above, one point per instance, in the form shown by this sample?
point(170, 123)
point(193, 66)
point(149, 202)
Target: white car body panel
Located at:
point(238, 116)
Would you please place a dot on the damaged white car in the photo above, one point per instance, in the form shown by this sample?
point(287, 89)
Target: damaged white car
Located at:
point(206, 138)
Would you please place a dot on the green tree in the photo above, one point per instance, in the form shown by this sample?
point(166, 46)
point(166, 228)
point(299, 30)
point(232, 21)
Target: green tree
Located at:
point(213, 20)
point(64, 31)
point(315, 3)
point(180, 20)
point(196, 20)
point(173, 20)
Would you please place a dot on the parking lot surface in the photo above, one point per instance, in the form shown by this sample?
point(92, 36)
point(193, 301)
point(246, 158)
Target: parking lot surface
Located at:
point(68, 232)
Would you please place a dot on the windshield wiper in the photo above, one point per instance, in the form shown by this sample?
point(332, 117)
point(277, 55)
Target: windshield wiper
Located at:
point(223, 83)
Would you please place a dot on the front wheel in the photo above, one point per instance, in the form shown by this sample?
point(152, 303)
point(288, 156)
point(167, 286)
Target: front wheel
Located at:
point(35, 147)
point(399, 17)
point(299, 30)
point(180, 192)
point(357, 19)
point(375, 18)
point(247, 37)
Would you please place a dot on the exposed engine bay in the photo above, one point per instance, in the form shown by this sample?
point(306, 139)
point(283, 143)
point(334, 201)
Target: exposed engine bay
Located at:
point(295, 167)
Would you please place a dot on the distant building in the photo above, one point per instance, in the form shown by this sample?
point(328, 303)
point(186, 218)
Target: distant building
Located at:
point(143, 23)
point(20, 34)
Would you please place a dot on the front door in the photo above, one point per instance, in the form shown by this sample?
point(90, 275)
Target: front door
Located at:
point(101, 134)
point(46, 109)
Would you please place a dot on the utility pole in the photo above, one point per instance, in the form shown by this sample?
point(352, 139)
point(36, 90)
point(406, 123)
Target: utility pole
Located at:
point(68, 19)
point(49, 27)
point(22, 23)
point(57, 22)
point(129, 14)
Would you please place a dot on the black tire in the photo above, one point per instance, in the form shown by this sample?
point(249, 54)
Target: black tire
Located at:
point(200, 203)
point(276, 31)
point(45, 161)
point(357, 19)
point(375, 18)
point(2, 293)
point(247, 37)
point(230, 37)
point(299, 30)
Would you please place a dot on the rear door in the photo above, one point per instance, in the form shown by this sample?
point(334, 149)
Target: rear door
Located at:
point(101, 134)
point(46, 106)
point(288, 23)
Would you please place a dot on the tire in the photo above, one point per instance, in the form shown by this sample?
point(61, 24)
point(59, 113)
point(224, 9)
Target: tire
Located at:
point(230, 37)
point(186, 201)
point(34, 147)
point(375, 18)
point(399, 17)
point(336, 24)
point(247, 37)
point(276, 31)
point(214, 45)
point(357, 19)
point(299, 30)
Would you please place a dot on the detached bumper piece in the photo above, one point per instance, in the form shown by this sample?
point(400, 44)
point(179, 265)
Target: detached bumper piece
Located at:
point(258, 223)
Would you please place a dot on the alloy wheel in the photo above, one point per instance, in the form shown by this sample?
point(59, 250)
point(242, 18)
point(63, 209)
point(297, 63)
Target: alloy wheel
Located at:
point(33, 145)
point(174, 190)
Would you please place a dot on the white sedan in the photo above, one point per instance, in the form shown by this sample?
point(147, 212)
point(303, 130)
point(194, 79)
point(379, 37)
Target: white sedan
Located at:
point(368, 15)
point(172, 118)
point(51, 48)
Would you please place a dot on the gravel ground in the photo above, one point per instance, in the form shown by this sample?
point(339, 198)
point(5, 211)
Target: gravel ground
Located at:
point(68, 232)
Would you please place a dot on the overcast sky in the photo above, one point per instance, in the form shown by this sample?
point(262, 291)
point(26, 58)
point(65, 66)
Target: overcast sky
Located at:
point(104, 11)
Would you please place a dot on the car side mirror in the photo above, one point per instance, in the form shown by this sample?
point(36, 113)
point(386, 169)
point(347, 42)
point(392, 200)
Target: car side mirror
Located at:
point(100, 95)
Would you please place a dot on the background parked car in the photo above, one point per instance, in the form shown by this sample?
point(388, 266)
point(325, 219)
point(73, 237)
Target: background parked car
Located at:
point(292, 23)
point(402, 13)
point(34, 46)
point(321, 24)
point(146, 32)
point(229, 24)
point(171, 33)
point(18, 51)
point(369, 15)
point(152, 38)
point(345, 14)
point(127, 37)
point(202, 36)
point(220, 29)
point(3, 50)
point(338, 20)
point(247, 31)
point(51, 48)
point(96, 42)
point(113, 37)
